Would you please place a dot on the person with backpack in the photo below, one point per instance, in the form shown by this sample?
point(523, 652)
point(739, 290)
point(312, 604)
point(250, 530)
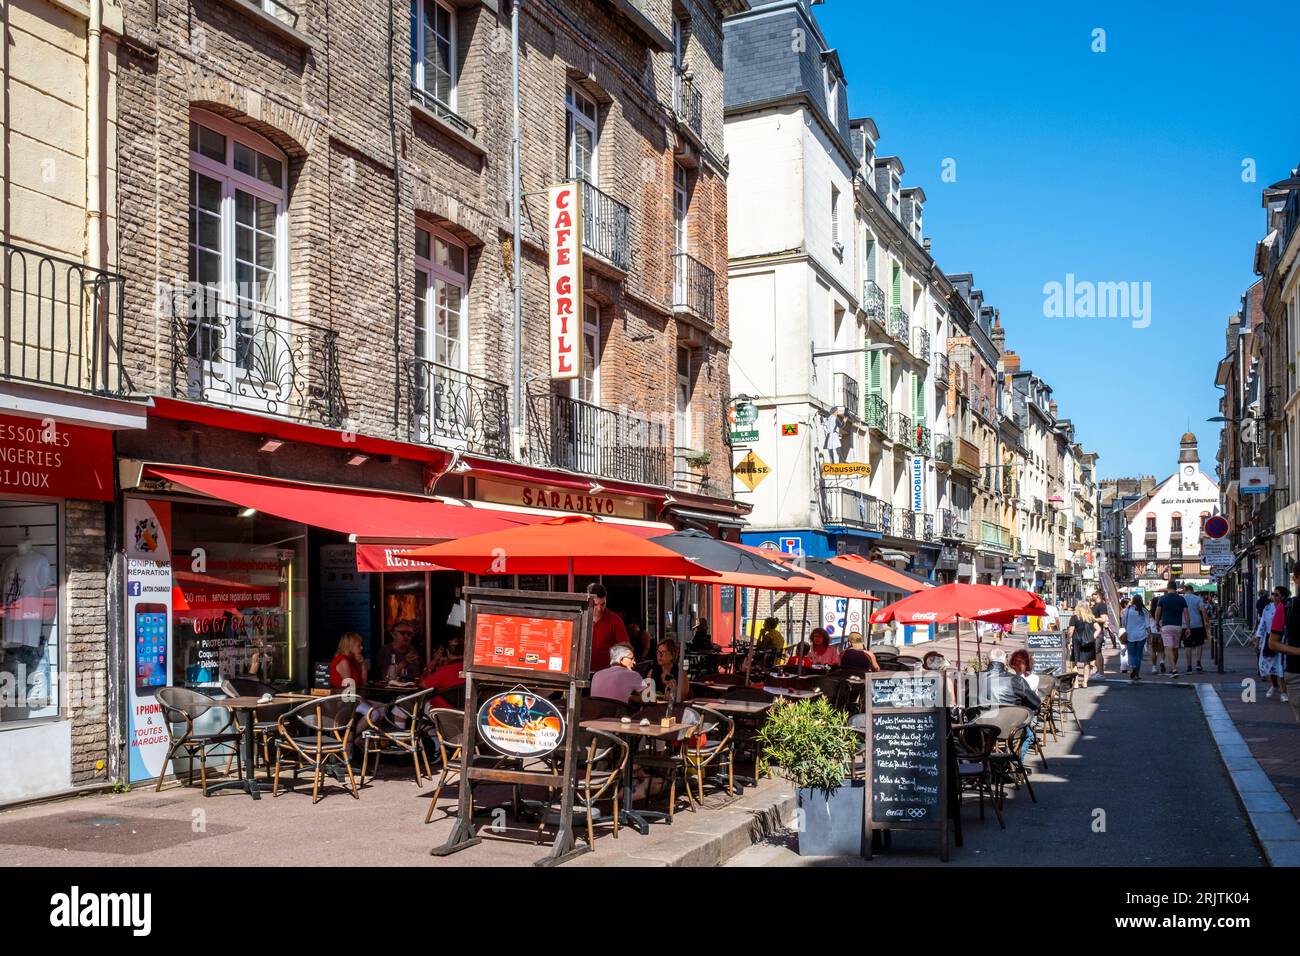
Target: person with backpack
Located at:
point(1272, 665)
point(1137, 625)
point(1284, 637)
point(1083, 640)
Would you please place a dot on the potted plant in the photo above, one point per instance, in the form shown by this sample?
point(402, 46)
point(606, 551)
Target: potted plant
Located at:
point(812, 745)
point(699, 459)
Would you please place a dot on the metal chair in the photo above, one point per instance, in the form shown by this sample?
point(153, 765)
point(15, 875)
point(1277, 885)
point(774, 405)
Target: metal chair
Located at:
point(602, 759)
point(1064, 700)
point(1011, 723)
point(315, 734)
point(182, 706)
point(973, 746)
point(713, 744)
point(401, 731)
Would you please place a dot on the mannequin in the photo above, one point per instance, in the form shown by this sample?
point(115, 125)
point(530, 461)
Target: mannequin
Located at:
point(24, 577)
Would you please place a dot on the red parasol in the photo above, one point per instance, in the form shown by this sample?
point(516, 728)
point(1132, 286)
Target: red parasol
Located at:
point(954, 603)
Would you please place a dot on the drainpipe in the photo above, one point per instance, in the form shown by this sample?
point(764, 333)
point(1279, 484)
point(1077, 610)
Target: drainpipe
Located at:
point(94, 140)
point(516, 360)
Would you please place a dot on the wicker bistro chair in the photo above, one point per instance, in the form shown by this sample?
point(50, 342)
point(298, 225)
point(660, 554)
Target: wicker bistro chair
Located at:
point(973, 745)
point(1063, 701)
point(401, 732)
point(602, 759)
point(314, 734)
point(713, 745)
point(1011, 723)
point(670, 763)
point(265, 718)
point(181, 706)
point(859, 723)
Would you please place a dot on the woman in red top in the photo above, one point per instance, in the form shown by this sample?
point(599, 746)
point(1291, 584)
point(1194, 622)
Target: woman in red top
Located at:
point(348, 664)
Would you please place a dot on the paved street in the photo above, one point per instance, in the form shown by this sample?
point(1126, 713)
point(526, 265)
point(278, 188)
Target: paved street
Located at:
point(1146, 760)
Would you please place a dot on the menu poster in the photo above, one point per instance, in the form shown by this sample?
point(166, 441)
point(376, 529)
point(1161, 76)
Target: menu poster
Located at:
point(1044, 640)
point(907, 690)
point(906, 767)
point(517, 641)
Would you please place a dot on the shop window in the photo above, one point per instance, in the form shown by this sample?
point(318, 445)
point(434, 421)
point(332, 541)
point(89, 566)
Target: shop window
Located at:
point(29, 610)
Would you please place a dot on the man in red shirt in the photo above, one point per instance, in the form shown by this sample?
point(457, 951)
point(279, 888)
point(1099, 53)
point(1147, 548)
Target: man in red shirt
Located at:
point(606, 627)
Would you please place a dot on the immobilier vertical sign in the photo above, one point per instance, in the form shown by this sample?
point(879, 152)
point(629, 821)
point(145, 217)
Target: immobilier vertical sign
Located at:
point(564, 222)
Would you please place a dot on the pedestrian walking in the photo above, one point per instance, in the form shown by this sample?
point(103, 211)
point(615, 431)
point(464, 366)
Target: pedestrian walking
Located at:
point(1083, 640)
point(1284, 637)
point(1174, 624)
point(1137, 626)
point(1272, 665)
point(1197, 615)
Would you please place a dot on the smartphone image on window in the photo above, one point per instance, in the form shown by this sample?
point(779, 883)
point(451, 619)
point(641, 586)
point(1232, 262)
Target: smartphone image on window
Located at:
point(150, 646)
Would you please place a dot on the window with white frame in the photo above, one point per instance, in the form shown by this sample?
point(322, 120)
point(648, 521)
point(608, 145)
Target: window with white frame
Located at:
point(587, 385)
point(832, 93)
point(682, 416)
point(441, 283)
point(582, 134)
point(237, 239)
point(681, 205)
point(433, 51)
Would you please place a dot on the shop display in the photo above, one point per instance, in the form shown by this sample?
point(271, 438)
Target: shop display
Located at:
point(29, 580)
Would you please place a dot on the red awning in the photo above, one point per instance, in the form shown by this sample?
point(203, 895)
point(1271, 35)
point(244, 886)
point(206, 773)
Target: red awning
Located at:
point(365, 513)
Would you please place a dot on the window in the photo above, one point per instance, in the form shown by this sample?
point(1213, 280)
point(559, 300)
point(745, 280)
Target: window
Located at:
point(1176, 524)
point(682, 419)
point(30, 581)
point(237, 251)
point(1151, 524)
point(835, 221)
point(895, 190)
point(587, 386)
point(433, 50)
point(581, 135)
point(681, 204)
point(440, 285)
point(832, 94)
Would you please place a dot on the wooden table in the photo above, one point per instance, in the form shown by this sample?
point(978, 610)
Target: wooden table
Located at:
point(245, 706)
point(795, 692)
point(746, 708)
point(636, 732)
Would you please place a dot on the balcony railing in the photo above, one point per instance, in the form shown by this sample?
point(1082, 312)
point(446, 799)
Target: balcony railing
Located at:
point(873, 303)
point(695, 476)
point(62, 323)
point(605, 227)
point(995, 536)
point(844, 507)
point(953, 524)
point(902, 430)
point(846, 392)
point(898, 324)
point(447, 406)
point(578, 436)
point(921, 344)
point(688, 102)
point(237, 355)
point(927, 528)
point(444, 112)
point(940, 362)
point(942, 450)
point(904, 524)
point(921, 439)
point(693, 286)
point(876, 414)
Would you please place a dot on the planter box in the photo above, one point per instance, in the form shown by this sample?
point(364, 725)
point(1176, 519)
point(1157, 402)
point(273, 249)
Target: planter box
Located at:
point(832, 823)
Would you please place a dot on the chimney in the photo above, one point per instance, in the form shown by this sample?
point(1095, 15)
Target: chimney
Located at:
point(999, 336)
point(1010, 360)
point(926, 244)
point(1051, 407)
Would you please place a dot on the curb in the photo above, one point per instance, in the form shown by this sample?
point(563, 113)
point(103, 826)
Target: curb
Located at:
point(1275, 827)
point(717, 838)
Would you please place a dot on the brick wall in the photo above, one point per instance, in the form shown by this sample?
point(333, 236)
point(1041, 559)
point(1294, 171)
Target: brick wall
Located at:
point(328, 109)
point(84, 680)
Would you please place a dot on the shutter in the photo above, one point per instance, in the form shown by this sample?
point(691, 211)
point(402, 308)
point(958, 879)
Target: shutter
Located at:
point(873, 373)
point(895, 289)
point(871, 260)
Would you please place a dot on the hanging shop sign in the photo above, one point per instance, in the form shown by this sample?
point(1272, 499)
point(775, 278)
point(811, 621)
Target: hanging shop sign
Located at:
point(564, 226)
point(39, 456)
point(741, 412)
point(1255, 481)
point(740, 437)
point(520, 723)
point(846, 469)
point(751, 470)
point(918, 484)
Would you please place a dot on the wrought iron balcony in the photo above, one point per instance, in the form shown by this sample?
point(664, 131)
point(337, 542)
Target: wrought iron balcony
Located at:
point(846, 393)
point(921, 344)
point(240, 356)
point(898, 324)
point(578, 436)
point(876, 413)
point(429, 102)
point(927, 528)
point(902, 430)
point(844, 507)
point(445, 406)
point(693, 286)
point(940, 362)
point(691, 474)
point(1008, 482)
point(904, 525)
point(605, 230)
point(873, 303)
point(921, 439)
point(942, 450)
point(688, 102)
point(62, 323)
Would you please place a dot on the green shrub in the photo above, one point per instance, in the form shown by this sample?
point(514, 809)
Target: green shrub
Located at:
point(810, 742)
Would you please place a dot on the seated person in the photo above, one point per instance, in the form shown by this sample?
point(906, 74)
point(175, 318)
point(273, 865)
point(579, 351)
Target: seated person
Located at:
point(771, 638)
point(700, 640)
point(857, 656)
point(1006, 686)
point(1021, 663)
point(799, 656)
point(445, 675)
point(822, 653)
point(399, 660)
point(934, 661)
point(619, 681)
point(348, 669)
point(664, 671)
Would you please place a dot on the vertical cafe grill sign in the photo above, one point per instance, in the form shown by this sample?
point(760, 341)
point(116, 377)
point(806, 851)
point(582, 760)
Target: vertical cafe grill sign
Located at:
point(918, 484)
point(564, 223)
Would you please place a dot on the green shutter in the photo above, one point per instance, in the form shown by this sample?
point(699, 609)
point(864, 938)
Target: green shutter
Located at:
point(873, 373)
point(871, 259)
point(895, 288)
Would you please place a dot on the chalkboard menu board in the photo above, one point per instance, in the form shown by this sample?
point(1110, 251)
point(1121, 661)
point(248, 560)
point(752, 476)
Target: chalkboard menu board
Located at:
point(907, 690)
point(1048, 662)
point(320, 675)
point(1044, 640)
point(908, 762)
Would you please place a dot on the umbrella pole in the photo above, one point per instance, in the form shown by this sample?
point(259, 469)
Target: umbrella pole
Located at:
point(803, 629)
point(681, 651)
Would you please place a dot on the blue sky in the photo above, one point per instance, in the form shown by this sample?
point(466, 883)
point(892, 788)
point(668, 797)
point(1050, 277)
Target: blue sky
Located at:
point(1117, 166)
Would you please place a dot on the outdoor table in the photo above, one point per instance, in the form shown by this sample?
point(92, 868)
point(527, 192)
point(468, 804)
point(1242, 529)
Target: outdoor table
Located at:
point(794, 692)
point(636, 732)
point(244, 706)
point(739, 708)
